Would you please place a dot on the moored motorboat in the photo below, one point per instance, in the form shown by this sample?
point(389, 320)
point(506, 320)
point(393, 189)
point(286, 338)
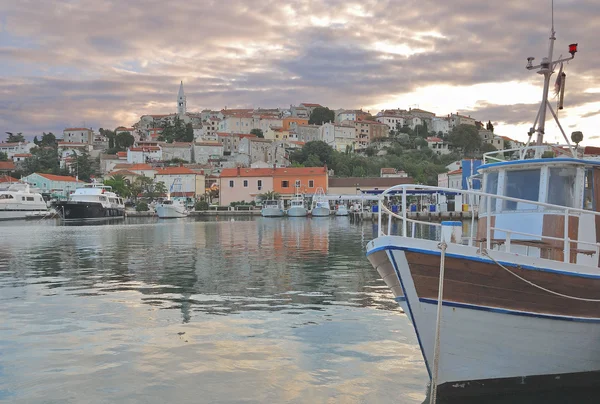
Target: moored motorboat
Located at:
point(341, 210)
point(516, 305)
point(20, 201)
point(320, 204)
point(171, 209)
point(92, 202)
point(297, 207)
point(272, 208)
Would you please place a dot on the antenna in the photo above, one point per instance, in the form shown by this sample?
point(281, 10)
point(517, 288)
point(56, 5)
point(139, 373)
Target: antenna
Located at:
point(552, 15)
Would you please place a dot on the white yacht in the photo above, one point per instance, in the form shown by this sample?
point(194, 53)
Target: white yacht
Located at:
point(19, 201)
point(297, 208)
point(320, 204)
point(92, 202)
point(171, 209)
point(272, 208)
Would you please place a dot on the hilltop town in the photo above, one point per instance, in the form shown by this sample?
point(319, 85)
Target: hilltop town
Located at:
point(206, 147)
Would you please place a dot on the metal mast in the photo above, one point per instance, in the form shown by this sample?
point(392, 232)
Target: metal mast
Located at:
point(546, 68)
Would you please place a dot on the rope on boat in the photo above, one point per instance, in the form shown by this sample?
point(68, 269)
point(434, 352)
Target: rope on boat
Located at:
point(436, 347)
point(583, 299)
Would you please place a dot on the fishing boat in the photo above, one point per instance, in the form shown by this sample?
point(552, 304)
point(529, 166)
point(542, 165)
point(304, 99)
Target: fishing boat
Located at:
point(320, 204)
point(171, 208)
point(20, 201)
point(516, 304)
point(297, 208)
point(272, 208)
point(92, 202)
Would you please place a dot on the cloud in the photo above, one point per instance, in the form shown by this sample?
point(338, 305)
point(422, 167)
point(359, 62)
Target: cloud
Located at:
point(102, 62)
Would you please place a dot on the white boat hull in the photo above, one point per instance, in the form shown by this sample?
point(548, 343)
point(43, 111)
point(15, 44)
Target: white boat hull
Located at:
point(170, 211)
point(320, 212)
point(272, 212)
point(479, 344)
point(341, 212)
point(20, 214)
point(297, 211)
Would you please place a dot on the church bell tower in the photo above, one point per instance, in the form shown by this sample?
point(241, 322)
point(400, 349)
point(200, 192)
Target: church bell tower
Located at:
point(181, 107)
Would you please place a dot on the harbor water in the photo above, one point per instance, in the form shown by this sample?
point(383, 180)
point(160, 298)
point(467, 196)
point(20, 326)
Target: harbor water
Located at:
point(191, 310)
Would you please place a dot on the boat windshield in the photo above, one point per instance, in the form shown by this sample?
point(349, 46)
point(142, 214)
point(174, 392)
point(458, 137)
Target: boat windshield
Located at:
point(167, 202)
point(271, 203)
point(296, 203)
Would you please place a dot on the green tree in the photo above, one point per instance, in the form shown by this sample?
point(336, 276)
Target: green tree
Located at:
point(189, 133)
point(489, 126)
point(15, 138)
point(142, 207)
point(44, 159)
point(321, 115)
point(269, 196)
point(317, 147)
point(313, 161)
point(201, 205)
point(465, 138)
point(160, 189)
point(487, 147)
point(48, 139)
point(3, 156)
point(123, 140)
point(370, 151)
point(119, 185)
point(257, 132)
point(83, 166)
point(36, 141)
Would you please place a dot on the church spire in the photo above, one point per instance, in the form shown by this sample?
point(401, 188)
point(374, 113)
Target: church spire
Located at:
point(181, 107)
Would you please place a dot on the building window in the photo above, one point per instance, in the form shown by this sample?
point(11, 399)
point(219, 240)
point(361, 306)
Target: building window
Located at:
point(311, 183)
point(297, 183)
point(259, 183)
point(285, 184)
point(245, 183)
point(231, 184)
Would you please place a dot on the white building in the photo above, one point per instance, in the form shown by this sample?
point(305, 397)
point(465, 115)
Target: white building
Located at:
point(182, 182)
point(457, 119)
point(438, 145)
point(206, 151)
point(338, 136)
point(345, 115)
point(78, 135)
point(144, 154)
point(16, 148)
point(307, 133)
point(440, 124)
point(177, 150)
point(391, 121)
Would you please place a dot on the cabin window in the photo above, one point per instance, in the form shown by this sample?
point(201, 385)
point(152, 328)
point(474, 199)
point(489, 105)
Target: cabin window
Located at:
point(30, 198)
point(102, 198)
point(561, 186)
point(588, 191)
point(491, 187)
point(6, 196)
point(522, 184)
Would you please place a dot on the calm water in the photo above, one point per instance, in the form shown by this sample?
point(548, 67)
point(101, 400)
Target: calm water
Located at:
point(261, 310)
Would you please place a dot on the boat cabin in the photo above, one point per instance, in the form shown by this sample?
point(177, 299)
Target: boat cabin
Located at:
point(539, 195)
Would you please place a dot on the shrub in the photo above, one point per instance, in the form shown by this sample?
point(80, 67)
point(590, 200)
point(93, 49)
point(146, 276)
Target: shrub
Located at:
point(142, 207)
point(201, 205)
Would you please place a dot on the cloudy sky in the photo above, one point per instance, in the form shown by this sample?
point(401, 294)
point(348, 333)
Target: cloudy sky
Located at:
point(103, 63)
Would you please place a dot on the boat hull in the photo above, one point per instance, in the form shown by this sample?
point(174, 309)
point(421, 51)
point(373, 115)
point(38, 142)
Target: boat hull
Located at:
point(297, 211)
point(74, 210)
point(495, 328)
point(341, 212)
point(272, 212)
point(170, 212)
point(320, 212)
point(21, 214)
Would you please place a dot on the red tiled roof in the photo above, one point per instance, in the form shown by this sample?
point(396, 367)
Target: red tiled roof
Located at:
point(70, 129)
point(180, 194)
point(62, 178)
point(139, 166)
point(7, 165)
point(308, 104)
point(123, 172)
point(12, 144)
point(434, 139)
point(122, 154)
point(300, 170)
point(22, 155)
point(7, 178)
point(144, 149)
point(459, 171)
point(388, 171)
point(174, 171)
point(121, 166)
point(247, 172)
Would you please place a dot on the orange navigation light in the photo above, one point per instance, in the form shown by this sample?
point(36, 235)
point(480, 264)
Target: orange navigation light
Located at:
point(573, 49)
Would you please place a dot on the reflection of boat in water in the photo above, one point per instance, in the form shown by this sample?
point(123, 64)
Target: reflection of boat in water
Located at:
point(19, 202)
point(272, 208)
point(297, 208)
point(171, 208)
point(341, 210)
point(320, 204)
point(518, 306)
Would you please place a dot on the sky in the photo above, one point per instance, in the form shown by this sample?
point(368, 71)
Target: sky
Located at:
point(103, 63)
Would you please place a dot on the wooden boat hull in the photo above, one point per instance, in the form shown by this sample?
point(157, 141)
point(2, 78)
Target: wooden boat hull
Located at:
point(494, 327)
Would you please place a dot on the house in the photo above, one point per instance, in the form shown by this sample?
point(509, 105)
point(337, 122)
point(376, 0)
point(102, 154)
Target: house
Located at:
point(129, 176)
point(66, 151)
point(289, 122)
point(6, 181)
point(275, 133)
point(144, 154)
point(357, 185)
point(109, 161)
point(237, 122)
point(211, 127)
point(367, 131)
point(16, 148)
point(440, 124)
point(438, 145)
point(78, 135)
point(177, 150)
point(7, 167)
point(308, 133)
point(457, 119)
point(306, 179)
point(344, 115)
point(392, 173)
point(455, 179)
point(182, 182)
point(20, 158)
point(60, 185)
point(205, 151)
point(145, 170)
point(340, 137)
point(392, 121)
point(244, 184)
point(310, 107)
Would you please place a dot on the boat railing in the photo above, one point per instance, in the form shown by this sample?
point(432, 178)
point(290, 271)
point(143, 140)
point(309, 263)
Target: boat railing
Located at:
point(527, 152)
point(486, 213)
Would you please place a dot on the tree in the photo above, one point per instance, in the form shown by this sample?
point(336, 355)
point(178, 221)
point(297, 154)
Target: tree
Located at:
point(313, 161)
point(119, 185)
point(48, 139)
point(123, 140)
point(12, 138)
point(258, 133)
point(489, 126)
point(3, 156)
point(160, 189)
point(465, 138)
point(269, 196)
point(36, 141)
point(487, 147)
point(44, 159)
point(83, 166)
point(141, 186)
point(189, 133)
point(370, 151)
point(321, 115)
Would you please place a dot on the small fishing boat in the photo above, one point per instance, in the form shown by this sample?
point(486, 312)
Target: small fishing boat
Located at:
point(320, 204)
point(297, 208)
point(171, 209)
point(516, 304)
point(272, 208)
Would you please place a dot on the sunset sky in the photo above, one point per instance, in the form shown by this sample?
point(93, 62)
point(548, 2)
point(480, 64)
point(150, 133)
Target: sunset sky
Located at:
point(104, 63)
